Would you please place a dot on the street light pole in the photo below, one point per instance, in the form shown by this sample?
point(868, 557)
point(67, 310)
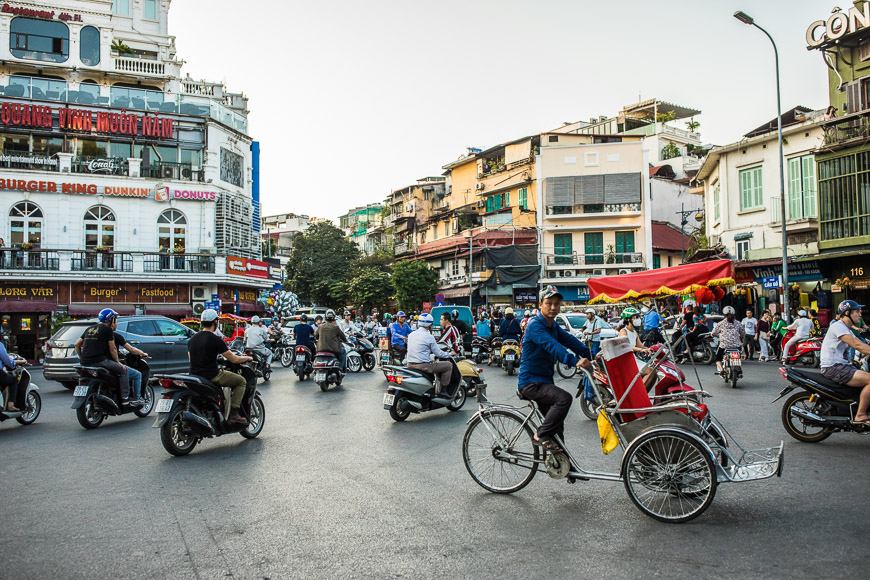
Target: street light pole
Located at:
point(746, 19)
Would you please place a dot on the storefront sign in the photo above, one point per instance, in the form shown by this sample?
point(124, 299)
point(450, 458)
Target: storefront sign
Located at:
point(43, 14)
point(130, 292)
point(231, 294)
point(13, 292)
point(110, 122)
point(102, 165)
point(770, 282)
point(797, 271)
point(28, 160)
point(525, 296)
point(72, 188)
point(838, 25)
point(165, 193)
point(743, 276)
point(274, 269)
point(245, 267)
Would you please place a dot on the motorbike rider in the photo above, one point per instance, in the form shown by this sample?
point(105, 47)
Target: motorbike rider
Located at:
point(592, 331)
point(543, 344)
point(302, 332)
point(731, 334)
point(802, 327)
point(346, 324)
point(256, 338)
point(96, 348)
point(652, 324)
point(8, 382)
point(509, 328)
point(203, 349)
point(421, 344)
point(483, 329)
point(835, 365)
point(399, 331)
point(459, 323)
point(630, 322)
point(449, 334)
point(330, 338)
point(135, 374)
point(691, 328)
point(527, 315)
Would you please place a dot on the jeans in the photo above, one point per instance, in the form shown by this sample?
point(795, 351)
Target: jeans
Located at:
point(136, 378)
point(595, 347)
point(765, 351)
point(264, 353)
point(123, 377)
point(342, 360)
point(554, 404)
point(8, 380)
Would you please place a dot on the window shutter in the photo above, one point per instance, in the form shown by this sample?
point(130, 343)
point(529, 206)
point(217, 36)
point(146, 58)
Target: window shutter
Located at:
point(589, 189)
point(794, 188)
point(716, 210)
point(853, 97)
point(808, 163)
point(622, 188)
point(559, 191)
point(489, 204)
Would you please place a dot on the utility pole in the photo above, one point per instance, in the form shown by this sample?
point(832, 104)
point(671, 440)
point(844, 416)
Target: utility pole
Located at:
point(470, 271)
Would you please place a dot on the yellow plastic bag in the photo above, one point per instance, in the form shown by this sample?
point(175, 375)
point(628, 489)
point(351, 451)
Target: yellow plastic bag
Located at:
point(609, 442)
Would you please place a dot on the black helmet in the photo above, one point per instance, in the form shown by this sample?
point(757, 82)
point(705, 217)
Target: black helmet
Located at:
point(455, 314)
point(330, 315)
point(304, 318)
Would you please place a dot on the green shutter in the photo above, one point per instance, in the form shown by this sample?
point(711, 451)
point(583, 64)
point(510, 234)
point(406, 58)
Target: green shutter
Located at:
point(657, 261)
point(507, 199)
point(594, 242)
point(795, 196)
point(562, 244)
point(758, 194)
point(808, 166)
point(523, 194)
point(490, 204)
point(624, 242)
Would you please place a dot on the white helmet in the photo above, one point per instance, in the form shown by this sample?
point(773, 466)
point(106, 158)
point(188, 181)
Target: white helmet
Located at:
point(425, 320)
point(208, 315)
point(255, 320)
point(728, 310)
point(527, 313)
point(644, 310)
point(802, 313)
point(590, 311)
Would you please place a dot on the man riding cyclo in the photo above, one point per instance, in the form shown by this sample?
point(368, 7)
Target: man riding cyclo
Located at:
point(836, 367)
point(96, 348)
point(330, 338)
point(399, 331)
point(730, 332)
point(544, 343)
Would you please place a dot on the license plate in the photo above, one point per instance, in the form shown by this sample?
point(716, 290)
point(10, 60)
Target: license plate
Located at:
point(81, 391)
point(164, 405)
point(735, 355)
point(475, 350)
point(388, 399)
point(509, 357)
point(300, 357)
point(320, 376)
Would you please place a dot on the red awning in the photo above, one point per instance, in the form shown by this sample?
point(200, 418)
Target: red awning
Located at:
point(251, 307)
point(169, 309)
point(661, 282)
point(94, 309)
point(35, 306)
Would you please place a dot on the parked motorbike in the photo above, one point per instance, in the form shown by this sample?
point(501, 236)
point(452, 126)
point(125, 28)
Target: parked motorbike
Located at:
point(413, 391)
point(284, 350)
point(27, 398)
point(510, 356)
point(480, 350)
point(98, 394)
point(821, 408)
point(193, 408)
point(304, 364)
point(732, 367)
point(366, 350)
point(806, 352)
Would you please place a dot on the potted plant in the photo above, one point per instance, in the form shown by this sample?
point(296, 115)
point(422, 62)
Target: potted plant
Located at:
point(101, 249)
point(26, 246)
point(610, 256)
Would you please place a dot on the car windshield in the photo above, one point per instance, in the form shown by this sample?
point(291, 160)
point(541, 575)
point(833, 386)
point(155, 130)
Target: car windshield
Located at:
point(576, 321)
point(70, 332)
point(291, 323)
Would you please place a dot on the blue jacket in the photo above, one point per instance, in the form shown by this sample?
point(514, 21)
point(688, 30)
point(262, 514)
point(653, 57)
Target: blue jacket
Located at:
point(543, 345)
point(5, 359)
point(510, 329)
point(303, 334)
point(396, 332)
point(652, 320)
point(483, 330)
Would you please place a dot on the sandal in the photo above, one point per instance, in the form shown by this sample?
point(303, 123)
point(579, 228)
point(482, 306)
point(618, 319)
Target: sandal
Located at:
point(865, 422)
point(548, 444)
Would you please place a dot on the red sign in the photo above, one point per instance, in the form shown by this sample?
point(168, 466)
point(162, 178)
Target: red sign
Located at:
point(744, 276)
point(427, 307)
point(123, 123)
point(44, 14)
point(245, 267)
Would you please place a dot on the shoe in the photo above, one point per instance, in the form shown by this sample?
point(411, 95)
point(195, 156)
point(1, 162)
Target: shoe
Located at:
point(236, 418)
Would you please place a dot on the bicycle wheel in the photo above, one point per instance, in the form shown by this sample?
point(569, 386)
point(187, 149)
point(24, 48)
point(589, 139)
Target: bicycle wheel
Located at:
point(565, 371)
point(499, 453)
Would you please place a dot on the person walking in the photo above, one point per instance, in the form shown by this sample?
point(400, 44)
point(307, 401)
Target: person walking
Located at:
point(764, 335)
point(750, 327)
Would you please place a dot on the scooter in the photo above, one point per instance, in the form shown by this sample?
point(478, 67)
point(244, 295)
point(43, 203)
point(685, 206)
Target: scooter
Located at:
point(284, 350)
point(510, 355)
point(807, 351)
point(412, 391)
point(27, 398)
point(480, 349)
point(495, 351)
point(732, 367)
point(326, 367)
point(98, 394)
point(704, 350)
point(262, 371)
point(303, 366)
point(365, 349)
point(193, 408)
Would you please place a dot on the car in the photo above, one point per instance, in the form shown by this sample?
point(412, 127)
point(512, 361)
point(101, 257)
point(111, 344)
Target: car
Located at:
point(164, 339)
point(465, 316)
point(290, 322)
point(573, 322)
point(312, 311)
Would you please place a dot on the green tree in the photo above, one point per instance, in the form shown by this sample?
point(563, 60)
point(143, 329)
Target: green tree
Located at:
point(415, 282)
point(320, 260)
point(670, 151)
point(265, 247)
point(692, 125)
point(371, 287)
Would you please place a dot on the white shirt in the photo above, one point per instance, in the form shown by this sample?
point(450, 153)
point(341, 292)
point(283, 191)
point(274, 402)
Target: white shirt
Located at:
point(255, 336)
point(346, 327)
point(421, 344)
point(802, 327)
point(749, 325)
point(593, 325)
point(834, 349)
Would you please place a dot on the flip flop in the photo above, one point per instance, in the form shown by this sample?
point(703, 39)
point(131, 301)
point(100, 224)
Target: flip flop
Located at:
point(865, 422)
point(548, 444)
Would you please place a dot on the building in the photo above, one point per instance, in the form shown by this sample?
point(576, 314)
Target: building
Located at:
point(409, 210)
point(363, 226)
point(742, 192)
point(122, 182)
point(282, 228)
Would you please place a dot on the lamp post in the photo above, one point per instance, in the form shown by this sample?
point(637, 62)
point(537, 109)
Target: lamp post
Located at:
point(684, 220)
point(747, 19)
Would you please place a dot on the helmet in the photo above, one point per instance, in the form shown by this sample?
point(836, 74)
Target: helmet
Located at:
point(549, 292)
point(802, 313)
point(847, 305)
point(454, 313)
point(347, 312)
point(535, 312)
point(387, 316)
point(507, 310)
point(416, 317)
point(401, 313)
point(208, 315)
point(426, 319)
point(644, 310)
point(589, 311)
point(303, 318)
point(107, 315)
point(527, 313)
point(255, 320)
point(330, 315)
point(629, 313)
point(728, 310)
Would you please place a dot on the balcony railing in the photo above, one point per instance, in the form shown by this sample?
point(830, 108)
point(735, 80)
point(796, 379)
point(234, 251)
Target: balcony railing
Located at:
point(595, 259)
point(193, 263)
point(101, 165)
point(139, 66)
point(840, 131)
point(170, 170)
point(31, 259)
point(401, 248)
point(591, 209)
point(806, 210)
point(92, 261)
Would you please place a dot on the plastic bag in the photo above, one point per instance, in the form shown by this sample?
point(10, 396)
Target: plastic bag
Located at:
point(609, 441)
point(588, 393)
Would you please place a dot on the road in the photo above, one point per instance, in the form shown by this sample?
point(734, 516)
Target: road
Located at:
point(333, 488)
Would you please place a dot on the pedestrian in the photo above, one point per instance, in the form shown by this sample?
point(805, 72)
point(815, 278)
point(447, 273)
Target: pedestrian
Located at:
point(817, 327)
point(2, 253)
point(750, 327)
point(777, 332)
point(764, 335)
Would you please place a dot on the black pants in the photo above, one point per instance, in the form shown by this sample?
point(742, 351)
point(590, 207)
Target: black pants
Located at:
point(9, 380)
point(554, 404)
point(400, 349)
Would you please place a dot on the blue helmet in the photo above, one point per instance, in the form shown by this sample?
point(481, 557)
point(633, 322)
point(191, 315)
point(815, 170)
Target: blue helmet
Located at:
point(425, 319)
point(107, 315)
point(846, 306)
point(401, 313)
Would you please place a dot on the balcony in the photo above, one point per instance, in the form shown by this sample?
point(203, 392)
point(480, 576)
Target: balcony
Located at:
point(595, 210)
point(802, 214)
point(401, 248)
point(29, 259)
point(845, 131)
point(631, 259)
point(138, 66)
point(92, 261)
point(192, 263)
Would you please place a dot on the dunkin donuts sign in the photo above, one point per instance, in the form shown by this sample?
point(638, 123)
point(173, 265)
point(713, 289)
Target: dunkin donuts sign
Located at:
point(166, 193)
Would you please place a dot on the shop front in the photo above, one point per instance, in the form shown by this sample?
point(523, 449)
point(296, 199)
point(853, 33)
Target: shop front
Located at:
point(240, 300)
point(573, 296)
point(26, 310)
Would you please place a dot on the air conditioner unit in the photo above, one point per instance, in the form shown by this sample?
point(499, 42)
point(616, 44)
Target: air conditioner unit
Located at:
point(200, 293)
point(481, 203)
point(167, 172)
point(198, 307)
point(714, 240)
point(479, 187)
point(409, 206)
point(567, 273)
point(186, 172)
point(624, 271)
point(599, 272)
point(445, 204)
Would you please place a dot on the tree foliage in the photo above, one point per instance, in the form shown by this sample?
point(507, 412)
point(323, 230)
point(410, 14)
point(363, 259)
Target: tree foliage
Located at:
point(371, 287)
point(319, 268)
point(415, 282)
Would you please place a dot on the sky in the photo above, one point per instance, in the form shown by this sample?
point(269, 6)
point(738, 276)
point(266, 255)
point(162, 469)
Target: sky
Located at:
point(351, 100)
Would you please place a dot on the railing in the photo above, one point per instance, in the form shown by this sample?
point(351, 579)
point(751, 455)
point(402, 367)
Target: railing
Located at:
point(852, 127)
point(92, 261)
point(101, 165)
point(595, 259)
point(193, 263)
point(139, 66)
point(401, 248)
point(31, 259)
point(807, 210)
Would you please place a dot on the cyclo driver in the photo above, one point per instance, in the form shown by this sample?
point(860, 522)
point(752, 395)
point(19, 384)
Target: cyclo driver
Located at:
point(544, 343)
point(835, 365)
point(96, 348)
point(203, 349)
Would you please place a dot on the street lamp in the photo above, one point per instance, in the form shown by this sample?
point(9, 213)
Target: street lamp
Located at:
point(747, 19)
point(684, 220)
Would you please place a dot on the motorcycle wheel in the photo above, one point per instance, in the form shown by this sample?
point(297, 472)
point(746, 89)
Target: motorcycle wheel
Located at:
point(733, 380)
point(709, 355)
point(458, 399)
point(148, 395)
point(174, 439)
point(817, 361)
point(324, 386)
point(566, 371)
point(396, 411)
point(510, 369)
point(589, 408)
point(256, 419)
point(32, 407)
point(354, 364)
point(88, 415)
point(267, 374)
point(369, 361)
point(286, 359)
point(795, 427)
point(725, 375)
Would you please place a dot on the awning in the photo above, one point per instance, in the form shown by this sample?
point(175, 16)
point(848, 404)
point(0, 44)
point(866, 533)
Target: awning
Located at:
point(169, 309)
point(251, 307)
point(94, 309)
point(661, 282)
point(36, 306)
point(455, 292)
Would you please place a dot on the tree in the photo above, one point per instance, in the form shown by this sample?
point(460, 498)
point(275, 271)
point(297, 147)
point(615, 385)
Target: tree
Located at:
point(320, 260)
point(371, 287)
point(670, 151)
point(270, 241)
point(415, 282)
point(692, 125)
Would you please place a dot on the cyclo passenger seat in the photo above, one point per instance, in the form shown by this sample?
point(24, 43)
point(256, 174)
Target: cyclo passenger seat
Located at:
point(622, 368)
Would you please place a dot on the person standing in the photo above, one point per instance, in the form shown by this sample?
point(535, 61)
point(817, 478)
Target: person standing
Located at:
point(750, 327)
point(764, 336)
point(777, 332)
point(592, 331)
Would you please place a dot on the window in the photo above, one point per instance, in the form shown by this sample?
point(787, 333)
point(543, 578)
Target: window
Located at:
point(743, 250)
point(136, 98)
point(844, 196)
point(90, 148)
point(150, 9)
point(657, 261)
point(35, 39)
point(121, 7)
point(171, 328)
point(750, 189)
point(171, 230)
point(716, 214)
point(37, 88)
point(454, 267)
point(594, 242)
point(802, 188)
point(122, 150)
point(47, 146)
point(142, 328)
point(99, 228)
point(523, 194)
point(89, 46)
point(15, 143)
point(563, 246)
point(25, 224)
point(624, 246)
point(89, 93)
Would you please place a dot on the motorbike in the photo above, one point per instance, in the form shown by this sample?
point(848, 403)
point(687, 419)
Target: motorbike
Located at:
point(284, 350)
point(304, 364)
point(807, 351)
point(413, 391)
point(391, 357)
point(260, 368)
point(652, 336)
point(326, 367)
point(98, 394)
point(703, 350)
point(480, 349)
point(193, 408)
point(27, 399)
point(732, 367)
point(366, 350)
point(495, 351)
point(510, 355)
point(821, 407)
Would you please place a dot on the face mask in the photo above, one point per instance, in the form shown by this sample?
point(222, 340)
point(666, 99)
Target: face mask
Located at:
point(635, 321)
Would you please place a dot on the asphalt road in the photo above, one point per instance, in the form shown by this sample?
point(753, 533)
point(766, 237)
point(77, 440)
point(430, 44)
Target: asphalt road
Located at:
point(333, 488)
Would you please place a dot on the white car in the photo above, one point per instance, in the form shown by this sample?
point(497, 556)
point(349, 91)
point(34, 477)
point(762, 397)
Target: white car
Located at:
point(573, 322)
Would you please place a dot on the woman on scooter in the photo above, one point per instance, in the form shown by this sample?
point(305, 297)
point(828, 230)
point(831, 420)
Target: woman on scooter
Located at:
point(631, 323)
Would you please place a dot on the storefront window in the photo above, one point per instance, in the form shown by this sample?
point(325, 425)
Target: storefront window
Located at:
point(25, 224)
point(136, 98)
point(99, 228)
point(90, 148)
point(123, 150)
point(89, 93)
point(15, 143)
point(172, 231)
point(39, 39)
point(47, 146)
point(89, 46)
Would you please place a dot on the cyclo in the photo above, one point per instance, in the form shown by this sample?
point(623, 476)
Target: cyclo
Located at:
point(675, 451)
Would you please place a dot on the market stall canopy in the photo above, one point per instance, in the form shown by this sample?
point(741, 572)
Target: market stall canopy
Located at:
point(661, 282)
